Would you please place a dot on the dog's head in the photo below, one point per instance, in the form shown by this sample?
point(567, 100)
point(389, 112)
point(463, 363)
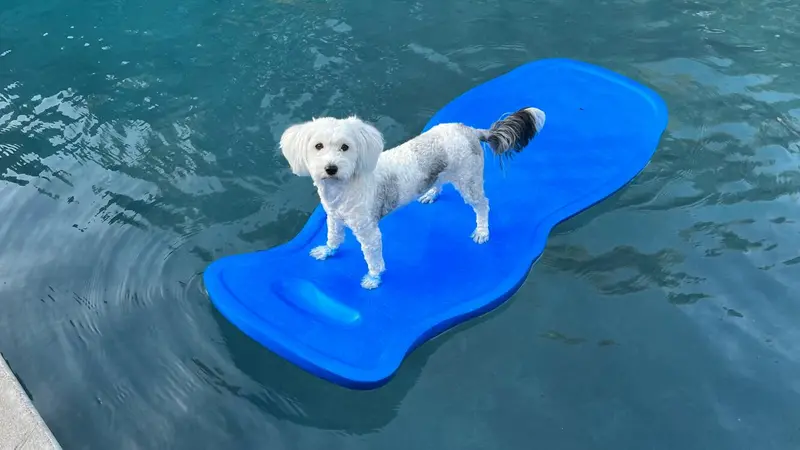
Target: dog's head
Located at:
point(330, 148)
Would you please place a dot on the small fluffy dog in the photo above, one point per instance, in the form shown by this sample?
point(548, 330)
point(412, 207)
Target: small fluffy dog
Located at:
point(359, 183)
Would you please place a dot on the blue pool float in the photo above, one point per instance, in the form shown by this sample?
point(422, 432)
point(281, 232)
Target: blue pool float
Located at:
point(602, 129)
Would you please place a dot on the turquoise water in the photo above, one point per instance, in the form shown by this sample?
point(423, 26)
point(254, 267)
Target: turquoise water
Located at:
point(138, 143)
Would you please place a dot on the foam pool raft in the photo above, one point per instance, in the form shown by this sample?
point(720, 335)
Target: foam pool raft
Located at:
point(602, 129)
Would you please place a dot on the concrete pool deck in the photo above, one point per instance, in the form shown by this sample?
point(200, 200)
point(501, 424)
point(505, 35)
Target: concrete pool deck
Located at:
point(21, 427)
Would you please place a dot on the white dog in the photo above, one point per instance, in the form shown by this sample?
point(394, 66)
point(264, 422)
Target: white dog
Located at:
point(359, 183)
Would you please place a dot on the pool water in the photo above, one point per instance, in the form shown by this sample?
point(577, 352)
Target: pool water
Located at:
point(138, 144)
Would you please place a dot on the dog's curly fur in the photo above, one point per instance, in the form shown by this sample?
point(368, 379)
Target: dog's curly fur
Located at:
point(359, 183)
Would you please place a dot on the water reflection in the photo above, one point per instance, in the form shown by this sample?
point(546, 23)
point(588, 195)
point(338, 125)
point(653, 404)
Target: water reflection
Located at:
point(624, 270)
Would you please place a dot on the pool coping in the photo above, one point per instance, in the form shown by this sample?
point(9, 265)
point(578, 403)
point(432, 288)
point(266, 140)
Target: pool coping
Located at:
point(21, 426)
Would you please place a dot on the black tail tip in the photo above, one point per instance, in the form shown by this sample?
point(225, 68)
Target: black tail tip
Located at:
point(515, 131)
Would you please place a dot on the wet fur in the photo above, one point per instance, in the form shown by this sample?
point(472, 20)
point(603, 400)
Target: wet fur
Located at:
point(370, 183)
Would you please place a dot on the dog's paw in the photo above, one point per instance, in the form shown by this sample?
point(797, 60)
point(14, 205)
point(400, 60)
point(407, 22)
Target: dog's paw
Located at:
point(322, 252)
point(430, 196)
point(480, 236)
point(370, 281)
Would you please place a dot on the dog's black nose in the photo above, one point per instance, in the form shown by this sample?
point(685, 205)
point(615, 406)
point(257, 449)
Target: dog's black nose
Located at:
point(331, 170)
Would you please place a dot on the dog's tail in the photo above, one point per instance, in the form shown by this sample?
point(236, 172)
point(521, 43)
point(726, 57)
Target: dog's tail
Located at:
point(514, 132)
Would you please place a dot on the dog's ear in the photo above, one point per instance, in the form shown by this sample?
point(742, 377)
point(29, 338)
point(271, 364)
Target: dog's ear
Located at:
point(294, 143)
point(370, 147)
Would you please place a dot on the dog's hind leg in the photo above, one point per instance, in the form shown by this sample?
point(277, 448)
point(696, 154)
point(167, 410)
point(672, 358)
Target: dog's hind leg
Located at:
point(472, 191)
point(432, 194)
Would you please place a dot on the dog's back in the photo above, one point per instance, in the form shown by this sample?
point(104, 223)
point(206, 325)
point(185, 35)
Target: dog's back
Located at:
point(450, 152)
point(431, 157)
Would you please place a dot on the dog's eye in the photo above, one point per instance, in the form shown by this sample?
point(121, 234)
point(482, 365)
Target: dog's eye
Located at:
point(345, 147)
point(319, 146)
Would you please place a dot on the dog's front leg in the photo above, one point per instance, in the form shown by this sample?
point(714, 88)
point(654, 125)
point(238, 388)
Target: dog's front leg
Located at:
point(335, 239)
point(369, 236)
